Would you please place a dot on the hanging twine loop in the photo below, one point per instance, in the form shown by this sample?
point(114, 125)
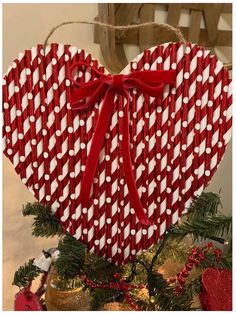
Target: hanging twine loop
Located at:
point(165, 26)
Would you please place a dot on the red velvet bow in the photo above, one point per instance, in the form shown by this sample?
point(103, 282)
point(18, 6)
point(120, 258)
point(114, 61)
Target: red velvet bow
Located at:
point(108, 86)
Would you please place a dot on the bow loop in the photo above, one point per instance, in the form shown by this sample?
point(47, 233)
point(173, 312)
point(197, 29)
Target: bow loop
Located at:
point(106, 87)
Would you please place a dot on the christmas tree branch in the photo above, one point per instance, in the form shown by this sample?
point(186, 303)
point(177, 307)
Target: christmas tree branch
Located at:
point(193, 287)
point(102, 296)
point(25, 274)
point(165, 297)
point(225, 261)
point(174, 250)
point(204, 205)
point(45, 224)
point(72, 257)
point(159, 250)
point(202, 228)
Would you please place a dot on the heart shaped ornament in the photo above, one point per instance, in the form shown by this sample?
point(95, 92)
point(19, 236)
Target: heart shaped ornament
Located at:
point(176, 139)
point(216, 294)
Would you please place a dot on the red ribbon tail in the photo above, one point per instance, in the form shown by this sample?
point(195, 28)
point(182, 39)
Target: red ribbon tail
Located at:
point(96, 146)
point(127, 162)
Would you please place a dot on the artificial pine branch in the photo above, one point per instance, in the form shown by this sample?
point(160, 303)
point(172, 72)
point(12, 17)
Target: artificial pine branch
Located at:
point(204, 205)
point(193, 287)
point(72, 257)
point(69, 284)
point(174, 250)
point(165, 297)
point(210, 261)
point(102, 296)
point(99, 269)
point(158, 252)
point(202, 228)
point(33, 209)
point(25, 274)
point(45, 224)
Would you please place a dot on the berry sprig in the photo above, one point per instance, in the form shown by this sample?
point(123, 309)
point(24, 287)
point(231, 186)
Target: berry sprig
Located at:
point(120, 284)
point(194, 259)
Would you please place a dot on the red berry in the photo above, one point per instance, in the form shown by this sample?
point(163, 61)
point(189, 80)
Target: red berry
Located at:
point(117, 276)
point(218, 252)
point(201, 255)
point(178, 289)
point(209, 245)
point(194, 252)
point(189, 266)
point(191, 258)
point(196, 262)
point(184, 273)
point(181, 280)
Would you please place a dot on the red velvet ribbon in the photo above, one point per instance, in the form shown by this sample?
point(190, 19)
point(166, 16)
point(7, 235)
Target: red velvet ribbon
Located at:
point(107, 87)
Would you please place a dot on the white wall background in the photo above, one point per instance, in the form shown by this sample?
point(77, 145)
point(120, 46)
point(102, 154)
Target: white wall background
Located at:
point(24, 26)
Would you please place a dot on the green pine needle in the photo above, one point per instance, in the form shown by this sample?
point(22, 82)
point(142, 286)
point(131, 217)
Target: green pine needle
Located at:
point(102, 296)
point(202, 228)
point(45, 224)
point(99, 269)
point(25, 274)
point(204, 205)
point(165, 297)
point(72, 257)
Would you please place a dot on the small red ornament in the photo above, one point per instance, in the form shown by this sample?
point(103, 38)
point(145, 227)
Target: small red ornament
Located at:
point(25, 300)
point(216, 292)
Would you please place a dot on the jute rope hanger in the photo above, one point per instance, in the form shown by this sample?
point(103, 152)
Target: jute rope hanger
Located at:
point(165, 26)
point(168, 27)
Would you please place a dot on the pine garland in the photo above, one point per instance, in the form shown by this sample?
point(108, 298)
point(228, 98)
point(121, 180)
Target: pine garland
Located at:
point(174, 250)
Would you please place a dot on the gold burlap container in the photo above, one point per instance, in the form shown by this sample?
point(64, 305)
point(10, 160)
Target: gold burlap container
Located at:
point(58, 300)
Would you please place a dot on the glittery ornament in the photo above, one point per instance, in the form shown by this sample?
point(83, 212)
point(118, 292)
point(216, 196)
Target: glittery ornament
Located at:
point(216, 292)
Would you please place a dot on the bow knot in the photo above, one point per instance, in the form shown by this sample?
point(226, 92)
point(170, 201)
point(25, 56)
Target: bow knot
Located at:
point(107, 86)
point(118, 82)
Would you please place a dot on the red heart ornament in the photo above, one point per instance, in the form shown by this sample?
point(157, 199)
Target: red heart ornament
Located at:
point(26, 300)
point(177, 141)
point(217, 290)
